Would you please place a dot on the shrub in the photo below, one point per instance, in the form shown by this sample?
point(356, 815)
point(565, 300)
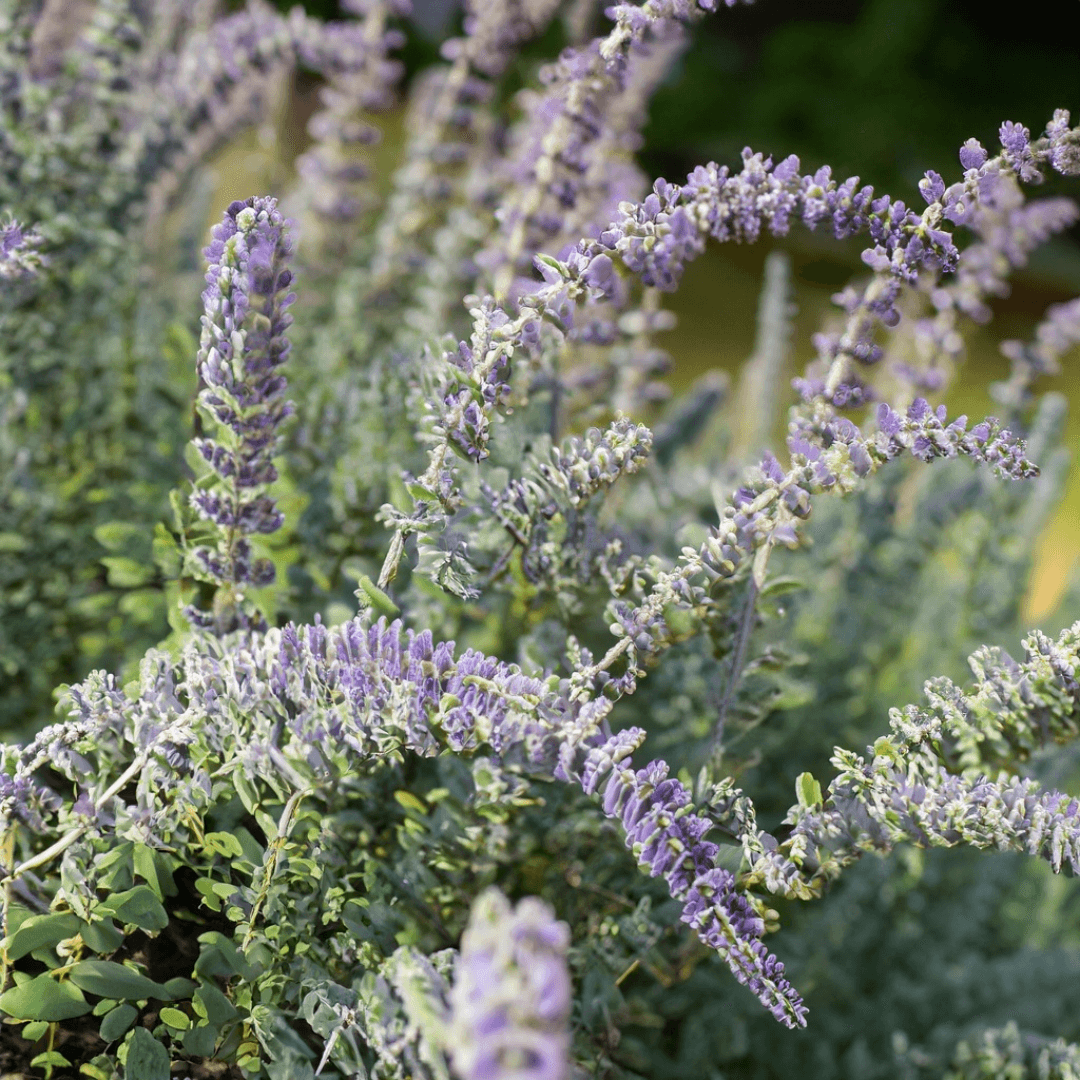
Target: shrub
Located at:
point(297, 833)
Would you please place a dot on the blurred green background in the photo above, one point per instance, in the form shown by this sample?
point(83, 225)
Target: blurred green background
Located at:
point(882, 89)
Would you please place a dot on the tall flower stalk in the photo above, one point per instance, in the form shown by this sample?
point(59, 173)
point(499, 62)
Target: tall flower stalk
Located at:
point(241, 351)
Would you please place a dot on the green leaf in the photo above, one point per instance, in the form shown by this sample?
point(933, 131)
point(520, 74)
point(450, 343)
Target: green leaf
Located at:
point(211, 1003)
point(352, 916)
point(177, 988)
point(34, 1030)
point(138, 906)
point(163, 863)
point(730, 857)
point(225, 889)
point(285, 1047)
point(175, 1018)
point(254, 852)
point(12, 542)
point(245, 789)
point(127, 573)
point(147, 1059)
point(120, 853)
point(102, 937)
point(104, 1006)
point(41, 930)
point(807, 791)
point(98, 1068)
point(771, 599)
point(778, 586)
point(554, 263)
point(266, 821)
point(145, 867)
point(49, 1057)
point(420, 492)
point(200, 1041)
point(376, 598)
point(117, 1022)
point(223, 843)
point(205, 886)
point(108, 979)
point(19, 913)
point(120, 536)
point(166, 551)
point(118, 863)
point(44, 998)
point(221, 957)
point(143, 606)
point(410, 801)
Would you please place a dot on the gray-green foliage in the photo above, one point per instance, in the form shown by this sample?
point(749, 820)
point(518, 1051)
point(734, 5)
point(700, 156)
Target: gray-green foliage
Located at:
point(109, 109)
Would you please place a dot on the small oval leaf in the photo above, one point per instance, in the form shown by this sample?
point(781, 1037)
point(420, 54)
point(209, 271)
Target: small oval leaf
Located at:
point(214, 1005)
point(177, 988)
point(50, 1057)
point(221, 957)
point(34, 1030)
point(138, 906)
point(201, 1040)
point(175, 1018)
point(117, 1022)
point(223, 843)
point(147, 1059)
point(410, 801)
point(102, 937)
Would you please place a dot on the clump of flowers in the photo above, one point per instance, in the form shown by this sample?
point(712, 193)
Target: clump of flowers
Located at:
point(511, 997)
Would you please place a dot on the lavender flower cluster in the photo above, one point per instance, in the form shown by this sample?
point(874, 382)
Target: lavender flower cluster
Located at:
point(667, 839)
point(243, 346)
point(18, 250)
point(511, 996)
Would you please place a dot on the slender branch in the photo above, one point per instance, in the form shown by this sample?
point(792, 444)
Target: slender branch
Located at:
point(61, 845)
point(738, 657)
point(277, 845)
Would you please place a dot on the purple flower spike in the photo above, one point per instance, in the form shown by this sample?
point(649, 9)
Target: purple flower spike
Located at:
point(242, 348)
point(511, 995)
point(669, 841)
point(1016, 141)
point(1064, 144)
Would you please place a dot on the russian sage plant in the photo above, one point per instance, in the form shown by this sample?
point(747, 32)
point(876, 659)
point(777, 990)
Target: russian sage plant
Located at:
point(451, 721)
